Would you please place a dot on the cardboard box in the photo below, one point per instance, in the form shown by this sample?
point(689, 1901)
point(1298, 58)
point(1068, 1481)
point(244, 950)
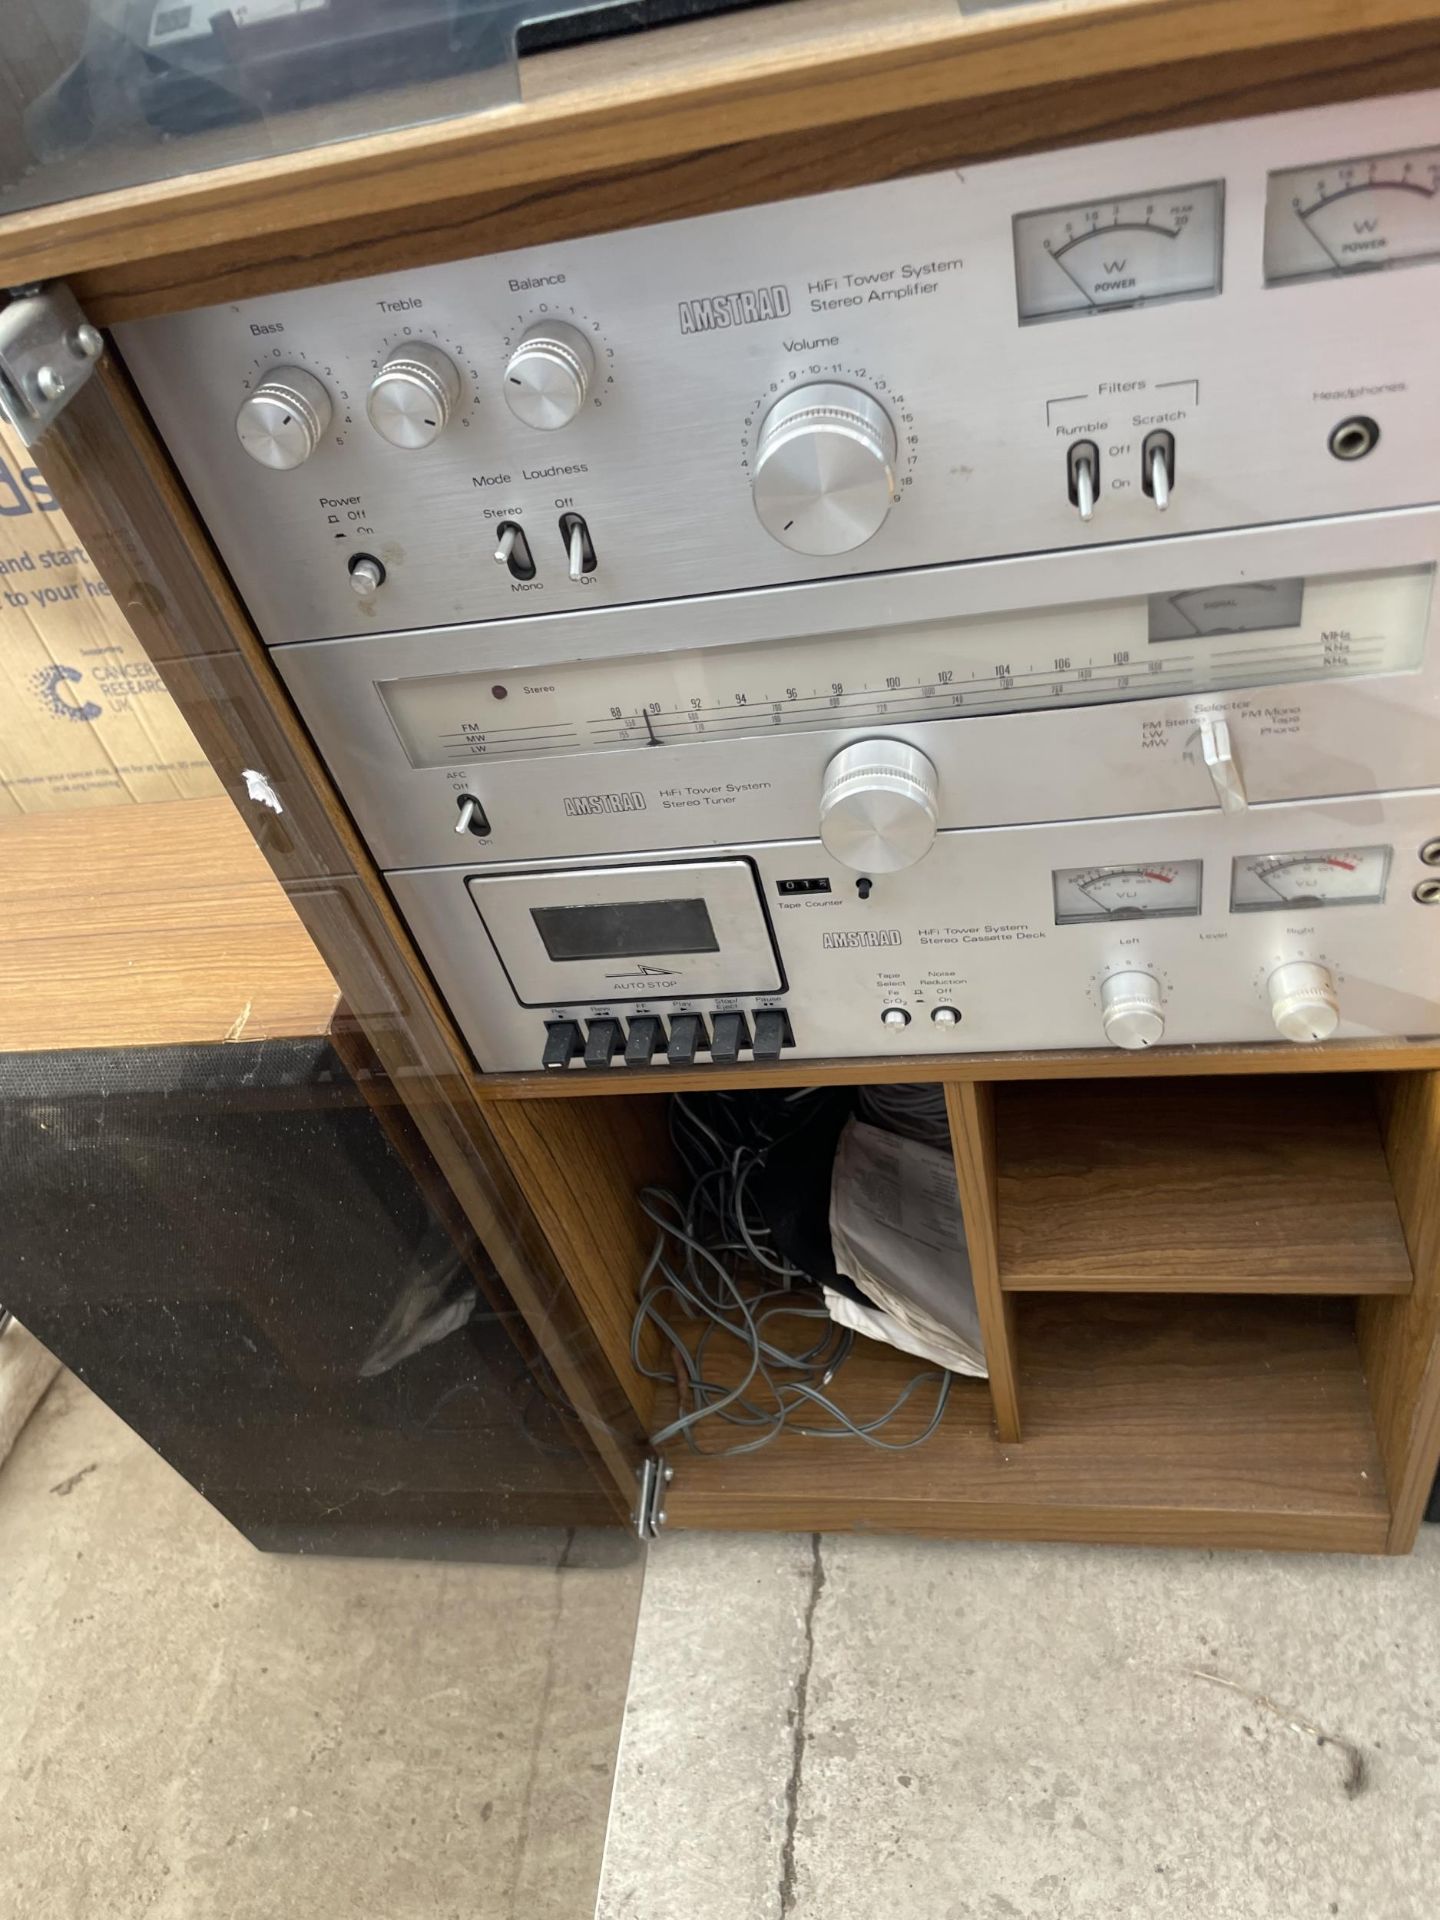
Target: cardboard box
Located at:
point(85, 720)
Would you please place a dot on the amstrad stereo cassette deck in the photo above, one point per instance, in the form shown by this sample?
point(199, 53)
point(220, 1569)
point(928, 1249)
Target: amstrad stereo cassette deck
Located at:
point(992, 610)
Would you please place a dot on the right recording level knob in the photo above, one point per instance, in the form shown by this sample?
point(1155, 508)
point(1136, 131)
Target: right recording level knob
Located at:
point(1303, 1002)
point(824, 473)
point(281, 423)
point(1133, 1009)
point(548, 375)
point(879, 806)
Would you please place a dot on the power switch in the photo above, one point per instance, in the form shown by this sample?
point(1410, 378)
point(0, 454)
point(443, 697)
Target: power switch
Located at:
point(730, 1035)
point(772, 1032)
point(562, 1043)
point(602, 1043)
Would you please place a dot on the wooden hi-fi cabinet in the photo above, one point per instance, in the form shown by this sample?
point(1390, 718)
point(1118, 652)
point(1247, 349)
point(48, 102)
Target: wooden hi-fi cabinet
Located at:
point(1209, 1279)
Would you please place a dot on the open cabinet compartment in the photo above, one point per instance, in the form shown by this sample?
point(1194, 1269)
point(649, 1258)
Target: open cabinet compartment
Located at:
point(1203, 1361)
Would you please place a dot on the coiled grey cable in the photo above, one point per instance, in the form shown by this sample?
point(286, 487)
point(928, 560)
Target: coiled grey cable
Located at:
point(711, 1259)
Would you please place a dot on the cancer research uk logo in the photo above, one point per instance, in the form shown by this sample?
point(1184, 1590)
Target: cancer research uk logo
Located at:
point(53, 684)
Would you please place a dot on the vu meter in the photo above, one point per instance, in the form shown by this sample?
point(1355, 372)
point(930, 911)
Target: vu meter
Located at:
point(1089, 258)
point(1333, 877)
point(1353, 216)
point(1153, 889)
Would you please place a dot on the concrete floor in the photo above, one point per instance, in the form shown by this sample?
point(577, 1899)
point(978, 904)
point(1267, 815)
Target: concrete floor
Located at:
point(190, 1730)
point(816, 1730)
point(853, 1728)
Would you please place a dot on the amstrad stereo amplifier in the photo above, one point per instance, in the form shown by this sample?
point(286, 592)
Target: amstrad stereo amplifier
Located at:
point(992, 610)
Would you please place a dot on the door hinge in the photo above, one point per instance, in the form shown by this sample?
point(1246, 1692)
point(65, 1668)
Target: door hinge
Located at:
point(649, 1515)
point(48, 351)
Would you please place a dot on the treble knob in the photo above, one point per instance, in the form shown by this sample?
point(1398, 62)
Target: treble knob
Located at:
point(879, 806)
point(282, 422)
point(548, 375)
point(824, 473)
point(411, 397)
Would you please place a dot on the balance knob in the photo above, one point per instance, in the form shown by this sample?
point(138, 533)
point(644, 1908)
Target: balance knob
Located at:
point(1133, 1011)
point(548, 375)
point(1303, 1002)
point(879, 806)
point(281, 423)
point(824, 474)
point(411, 397)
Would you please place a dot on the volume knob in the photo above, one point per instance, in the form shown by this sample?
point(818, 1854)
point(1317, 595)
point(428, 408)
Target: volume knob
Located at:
point(281, 423)
point(548, 375)
point(1303, 1002)
point(411, 397)
point(824, 474)
point(879, 806)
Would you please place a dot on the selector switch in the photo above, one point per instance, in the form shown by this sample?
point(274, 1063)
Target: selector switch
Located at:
point(772, 1034)
point(645, 1035)
point(687, 1037)
point(562, 1043)
point(731, 1034)
point(512, 551)
point(603, 1042)
point(1082, 476)
point(411, 397)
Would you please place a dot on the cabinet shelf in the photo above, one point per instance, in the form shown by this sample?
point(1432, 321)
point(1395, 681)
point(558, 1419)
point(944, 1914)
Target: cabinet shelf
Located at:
point(1165, 1421)
point(1219, 1186)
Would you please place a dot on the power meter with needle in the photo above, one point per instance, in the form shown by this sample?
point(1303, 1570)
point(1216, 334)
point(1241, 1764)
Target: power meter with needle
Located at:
point(1353, 216)
point(1103, 254)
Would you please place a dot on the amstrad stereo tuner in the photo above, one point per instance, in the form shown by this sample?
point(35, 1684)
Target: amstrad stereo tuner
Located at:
point(992, 610)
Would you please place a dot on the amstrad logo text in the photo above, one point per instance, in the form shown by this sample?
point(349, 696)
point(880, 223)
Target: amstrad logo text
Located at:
point(719, 310)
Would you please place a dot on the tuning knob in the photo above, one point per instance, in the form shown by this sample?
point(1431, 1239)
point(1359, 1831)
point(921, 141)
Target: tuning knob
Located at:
point(411, 397)
point(1303, 1002)
point(1133, 1010)
point(879, 806)
point(548, 375)
point(281, 423)
point(824, 474)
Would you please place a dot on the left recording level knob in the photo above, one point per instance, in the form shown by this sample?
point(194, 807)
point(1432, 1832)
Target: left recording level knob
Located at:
point(412, 396)
point(281, 423)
